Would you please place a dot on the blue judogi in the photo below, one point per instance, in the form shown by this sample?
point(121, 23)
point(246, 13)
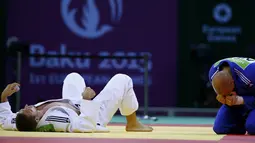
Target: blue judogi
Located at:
point(237, 119)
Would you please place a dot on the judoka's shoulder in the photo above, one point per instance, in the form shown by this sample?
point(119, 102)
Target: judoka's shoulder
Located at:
point(249, 72)
point(215, 68)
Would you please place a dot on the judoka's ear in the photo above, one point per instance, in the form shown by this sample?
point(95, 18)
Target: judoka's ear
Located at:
point(37, 119)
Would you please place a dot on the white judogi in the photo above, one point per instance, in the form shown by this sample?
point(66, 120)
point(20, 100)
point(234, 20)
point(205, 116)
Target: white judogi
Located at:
point(117, 94)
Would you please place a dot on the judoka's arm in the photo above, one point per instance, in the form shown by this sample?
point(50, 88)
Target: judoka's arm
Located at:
point(87, 120)
point(248, 101)
point(7, 117)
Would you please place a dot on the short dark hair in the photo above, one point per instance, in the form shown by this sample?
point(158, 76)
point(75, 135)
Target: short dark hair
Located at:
point(25, 123)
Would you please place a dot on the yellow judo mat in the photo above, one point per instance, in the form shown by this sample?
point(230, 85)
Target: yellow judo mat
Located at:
point(160, 133)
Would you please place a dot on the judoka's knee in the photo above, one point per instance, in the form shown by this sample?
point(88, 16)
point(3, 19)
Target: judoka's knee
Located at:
point(122, 77)
point(219, 130)
point(250, 127)
point(72, 76)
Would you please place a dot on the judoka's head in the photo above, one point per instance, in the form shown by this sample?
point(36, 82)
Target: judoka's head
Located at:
point(27, 118)
point(223, 83)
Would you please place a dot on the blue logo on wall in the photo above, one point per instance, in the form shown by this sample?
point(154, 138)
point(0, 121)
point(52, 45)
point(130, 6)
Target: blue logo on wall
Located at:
point(90, 21)
point(222, 13)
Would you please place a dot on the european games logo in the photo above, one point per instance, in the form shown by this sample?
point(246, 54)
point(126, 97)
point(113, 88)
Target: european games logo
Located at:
point(90, 21)
point(222, 13)
point(222, 31)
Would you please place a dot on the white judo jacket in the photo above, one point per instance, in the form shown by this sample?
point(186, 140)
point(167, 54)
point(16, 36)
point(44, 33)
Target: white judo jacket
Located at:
point(58, 118)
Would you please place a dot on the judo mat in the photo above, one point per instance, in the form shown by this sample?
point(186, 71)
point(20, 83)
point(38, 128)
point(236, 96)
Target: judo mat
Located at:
point(163, 133)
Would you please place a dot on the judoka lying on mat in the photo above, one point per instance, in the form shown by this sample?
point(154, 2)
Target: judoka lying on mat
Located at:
point(76, 112)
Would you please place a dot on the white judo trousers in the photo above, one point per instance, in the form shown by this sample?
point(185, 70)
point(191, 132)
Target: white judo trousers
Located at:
point(117, 94)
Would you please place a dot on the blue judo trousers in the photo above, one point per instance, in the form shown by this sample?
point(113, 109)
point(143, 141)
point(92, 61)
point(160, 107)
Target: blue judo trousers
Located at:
point(237, 119)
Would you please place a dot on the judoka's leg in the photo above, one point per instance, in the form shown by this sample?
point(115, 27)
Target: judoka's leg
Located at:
point(119, 94)
point(73, 86)
point(230, 120)
point(250, 123)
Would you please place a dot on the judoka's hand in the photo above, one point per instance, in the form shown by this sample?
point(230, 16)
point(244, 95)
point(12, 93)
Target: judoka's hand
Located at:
point(234, 100)
point(221, 99)
point(9, 90)
point(88, 93)
point(231, 99)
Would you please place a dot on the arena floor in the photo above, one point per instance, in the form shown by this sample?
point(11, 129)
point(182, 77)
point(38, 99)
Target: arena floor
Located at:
point(171, 133)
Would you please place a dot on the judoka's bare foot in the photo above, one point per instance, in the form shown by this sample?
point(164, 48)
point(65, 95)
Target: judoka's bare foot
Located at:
point(138, 127)
point(133, 125)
